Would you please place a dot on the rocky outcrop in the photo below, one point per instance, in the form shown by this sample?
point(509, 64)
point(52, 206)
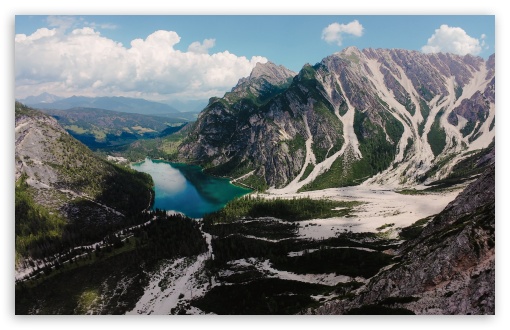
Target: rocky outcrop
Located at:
point(264, 81)
point(448, 269)
point(474, 110)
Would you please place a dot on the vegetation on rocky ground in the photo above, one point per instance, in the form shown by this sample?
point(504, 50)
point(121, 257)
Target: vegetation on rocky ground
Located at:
point(38, 232)
point(285, 209)
point(156, 148)
point(263, 296)
point(110, 280)
point(437, 135)
point(255, 182)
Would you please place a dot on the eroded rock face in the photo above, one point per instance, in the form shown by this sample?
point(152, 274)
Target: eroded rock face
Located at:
point(476, 109)
point(388, 108)
point(449, 268)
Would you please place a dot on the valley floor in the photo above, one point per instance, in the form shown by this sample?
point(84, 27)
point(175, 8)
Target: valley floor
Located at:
point(380, 207)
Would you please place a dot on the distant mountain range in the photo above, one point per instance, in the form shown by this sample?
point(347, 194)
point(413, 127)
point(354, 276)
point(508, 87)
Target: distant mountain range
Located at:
point(41, 99)
point(115, 103)
point(99, 128)
point(191, 106)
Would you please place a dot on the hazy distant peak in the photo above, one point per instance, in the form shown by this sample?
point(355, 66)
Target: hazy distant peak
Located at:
point(41, 98)
point(115, 103)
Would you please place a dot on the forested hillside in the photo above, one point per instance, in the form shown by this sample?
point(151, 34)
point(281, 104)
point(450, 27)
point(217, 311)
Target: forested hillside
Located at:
point(67, 195)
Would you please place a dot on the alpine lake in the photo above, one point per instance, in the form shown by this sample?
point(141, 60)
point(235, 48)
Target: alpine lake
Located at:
point(187, 189)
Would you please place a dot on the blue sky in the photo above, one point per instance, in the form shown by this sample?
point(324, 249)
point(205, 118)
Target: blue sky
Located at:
point(288, 40)
point(212, 52)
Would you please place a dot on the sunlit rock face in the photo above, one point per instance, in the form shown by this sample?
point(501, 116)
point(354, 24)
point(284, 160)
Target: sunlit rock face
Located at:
point(385, 116)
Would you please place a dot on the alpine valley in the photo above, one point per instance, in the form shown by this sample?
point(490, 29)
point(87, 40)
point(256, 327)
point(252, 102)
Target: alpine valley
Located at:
point(372, 178)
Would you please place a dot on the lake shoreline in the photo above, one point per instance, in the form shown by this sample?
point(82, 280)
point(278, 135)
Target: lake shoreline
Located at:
point(187, 188)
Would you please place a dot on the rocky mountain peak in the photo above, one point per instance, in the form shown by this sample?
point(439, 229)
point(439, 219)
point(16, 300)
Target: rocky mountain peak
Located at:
point(491, 65)
point(351, 50)
point(264, 80)
point(273, 73)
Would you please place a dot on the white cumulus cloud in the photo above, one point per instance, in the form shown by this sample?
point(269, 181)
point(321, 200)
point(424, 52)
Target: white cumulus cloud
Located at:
point(201, 48)
point(454, 40)
point(334, 32)
point(83, 62)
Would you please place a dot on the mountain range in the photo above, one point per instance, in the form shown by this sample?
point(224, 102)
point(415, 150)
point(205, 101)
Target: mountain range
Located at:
point(115, 103)
point(124, 104)
point(392, 117)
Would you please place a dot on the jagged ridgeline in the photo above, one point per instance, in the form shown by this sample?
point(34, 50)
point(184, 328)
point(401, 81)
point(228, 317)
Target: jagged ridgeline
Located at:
point(395, 117)
point(66, 195)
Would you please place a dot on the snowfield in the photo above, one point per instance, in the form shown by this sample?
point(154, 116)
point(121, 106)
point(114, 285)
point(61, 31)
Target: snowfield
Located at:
point(176, 281)
point(380, 206)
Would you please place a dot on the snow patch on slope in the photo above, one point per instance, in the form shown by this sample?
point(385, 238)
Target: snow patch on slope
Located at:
point(174, 282)
point(265, 266)
point(380, 206)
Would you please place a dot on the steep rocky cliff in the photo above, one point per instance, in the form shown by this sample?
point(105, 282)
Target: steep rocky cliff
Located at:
point(397, 117)
point(448, 269)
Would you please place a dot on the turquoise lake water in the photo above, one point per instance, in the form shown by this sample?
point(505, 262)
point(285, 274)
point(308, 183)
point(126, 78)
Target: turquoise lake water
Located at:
point(187, 189)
